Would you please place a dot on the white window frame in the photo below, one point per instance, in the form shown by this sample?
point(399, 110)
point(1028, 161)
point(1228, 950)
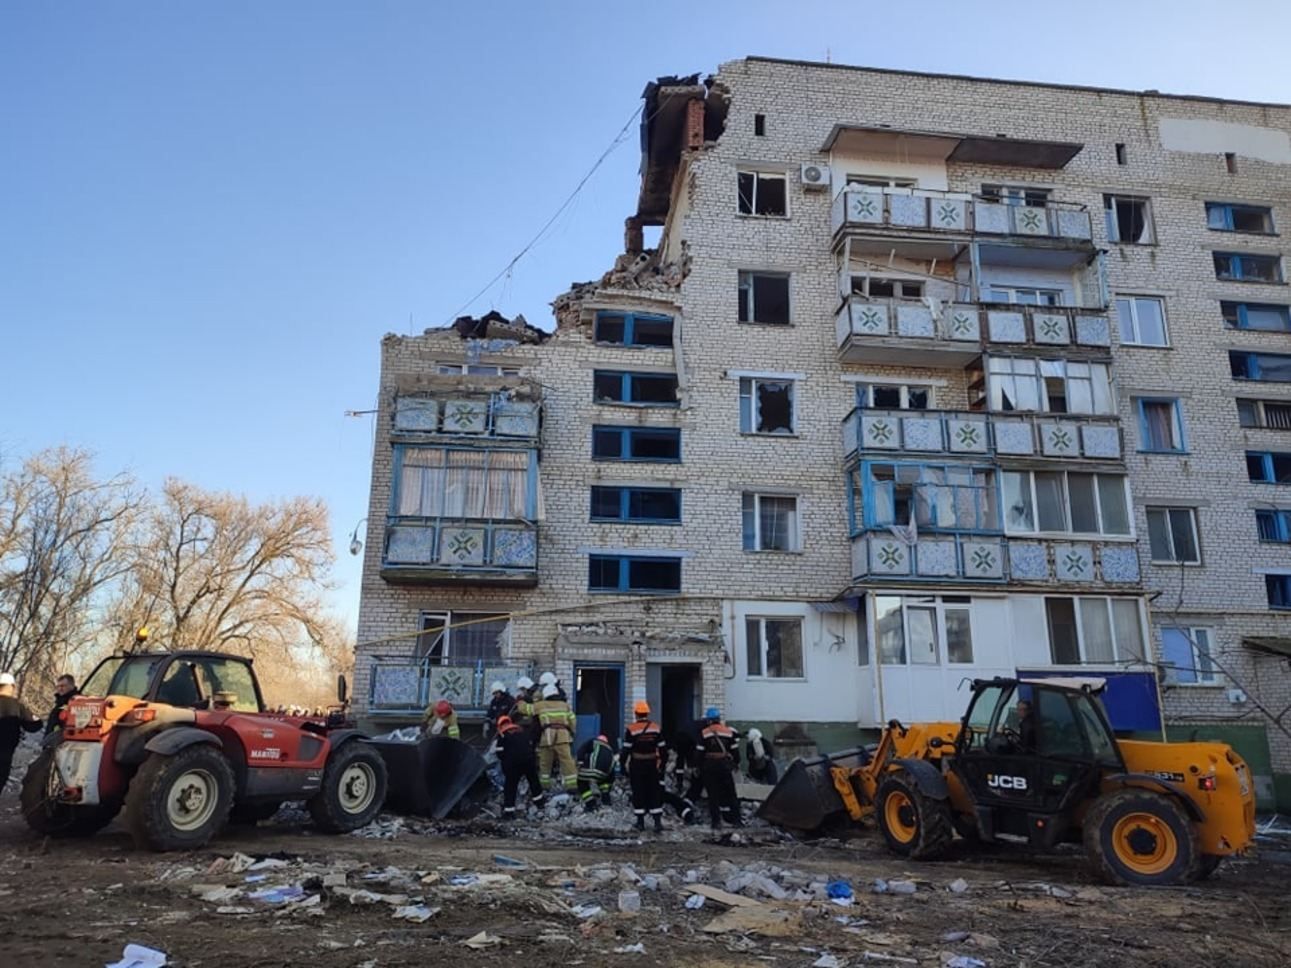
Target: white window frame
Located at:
point(898, 284)
point(1118, 655)
point(1169, 531)
point(1113, 229)
point(939, 606)
point(762, 620)
point(1013, 292)
point(795, 526)
point(754, 381)
point(1018, 367)
point(1201, 642)
point(1066, 505)
point(865, 391)
point(451, 617)
point(1129, 328)
point(450, 368)
point(1015, 195)
point(860, 180)
point(758, 175)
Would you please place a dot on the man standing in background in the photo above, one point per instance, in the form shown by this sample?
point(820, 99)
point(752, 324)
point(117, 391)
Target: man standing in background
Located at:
point(64, 690)
point(14, 717)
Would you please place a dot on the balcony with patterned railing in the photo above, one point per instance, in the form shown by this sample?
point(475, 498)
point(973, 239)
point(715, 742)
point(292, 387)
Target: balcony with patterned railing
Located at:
point(404, 687)
point(967, 433)
point(451, 408)
point(441, 551)
point(937, 213)
point(880, 555)
point(915, 332)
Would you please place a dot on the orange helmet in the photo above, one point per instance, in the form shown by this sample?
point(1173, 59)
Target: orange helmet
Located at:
point(642, 708)
point(443, 708)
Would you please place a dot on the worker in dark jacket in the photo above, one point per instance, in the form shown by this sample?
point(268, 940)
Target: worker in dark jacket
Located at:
point(643, 748)
point(64, 690)
point(720, 751)
point(519, 762)
point(684, 806)
point(14, 718)
point(500, 705)
point(595, 772)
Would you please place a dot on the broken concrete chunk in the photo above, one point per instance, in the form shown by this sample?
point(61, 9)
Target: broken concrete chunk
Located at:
point(902, 887)
point(957, 886)
point(629, 902)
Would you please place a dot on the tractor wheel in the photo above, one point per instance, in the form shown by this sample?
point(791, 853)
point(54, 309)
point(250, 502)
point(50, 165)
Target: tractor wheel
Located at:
point(914, 825)
point(1139, 837)
point(353, 790)
point(249, 814)
point(180, 802)
point(45, 815)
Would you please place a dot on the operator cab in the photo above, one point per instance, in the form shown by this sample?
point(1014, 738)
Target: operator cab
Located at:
point(1030, 750)
point(189, 680)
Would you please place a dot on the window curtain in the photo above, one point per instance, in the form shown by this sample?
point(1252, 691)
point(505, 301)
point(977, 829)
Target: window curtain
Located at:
point(1158, 421)
point(463, 483)
point(421, 482)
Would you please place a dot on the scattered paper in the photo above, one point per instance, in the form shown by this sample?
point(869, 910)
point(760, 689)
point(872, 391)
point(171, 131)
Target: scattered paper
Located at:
point(827, 961)
point(763, 920)
point(482, 940)
point(586, 911)
point(269, 863)
point(631, 949)
point(137, 956)
point(695, 901)
point(722, 897)
point(417, 913)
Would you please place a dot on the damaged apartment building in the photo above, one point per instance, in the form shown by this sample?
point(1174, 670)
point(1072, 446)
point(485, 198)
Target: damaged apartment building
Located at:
point(927, 378)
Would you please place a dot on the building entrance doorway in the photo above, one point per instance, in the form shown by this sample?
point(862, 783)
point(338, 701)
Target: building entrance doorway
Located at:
point(598, 702)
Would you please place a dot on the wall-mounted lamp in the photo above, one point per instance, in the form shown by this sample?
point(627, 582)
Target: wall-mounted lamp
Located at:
point(356, 545)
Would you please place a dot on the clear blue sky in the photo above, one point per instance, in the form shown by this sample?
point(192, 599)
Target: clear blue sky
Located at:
point(210, 212)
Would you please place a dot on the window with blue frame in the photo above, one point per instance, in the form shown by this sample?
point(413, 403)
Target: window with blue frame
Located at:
point(1252, 219)
point(633, 329)
point(1268, 467)
point(643, 444)
point(1261, 367)
point(1278, 588)
point(641, 505)
point(641, 389)
point(1247, 267)
point(638, 574)
point(1160, 425)
point(1266, 317)
point(941, 497)
point(1273, 525)
point(440, 482)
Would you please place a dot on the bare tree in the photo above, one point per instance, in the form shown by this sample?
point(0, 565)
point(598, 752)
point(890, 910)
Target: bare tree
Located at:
point(64, 541)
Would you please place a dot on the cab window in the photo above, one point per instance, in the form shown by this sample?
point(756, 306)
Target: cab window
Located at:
point(980, 715)
point(179, 686)
point(1060, 735)
point(1100, 740)
point(232, 676)
point(1013, 730)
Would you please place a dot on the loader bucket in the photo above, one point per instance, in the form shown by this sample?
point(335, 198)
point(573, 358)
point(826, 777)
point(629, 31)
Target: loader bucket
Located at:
point(431, 776)
point(805, 797)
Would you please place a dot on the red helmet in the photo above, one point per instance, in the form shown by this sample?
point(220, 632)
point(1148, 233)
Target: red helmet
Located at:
point(503, 722)
point(443, 708)
point(603, 738)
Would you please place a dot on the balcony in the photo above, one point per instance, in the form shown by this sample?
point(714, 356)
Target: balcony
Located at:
point(880, 555)
point(933, 214)
point(452, 407)
point(437, 551)
point(405, 687)
point(961, 433)
point(907, 331)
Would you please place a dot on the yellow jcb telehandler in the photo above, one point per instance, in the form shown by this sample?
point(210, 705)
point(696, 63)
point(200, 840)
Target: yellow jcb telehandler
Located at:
point(1035, 761)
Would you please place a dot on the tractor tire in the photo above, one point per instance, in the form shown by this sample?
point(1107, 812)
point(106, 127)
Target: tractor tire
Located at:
point(181, 801)
point(914, 825)
point(250, 814)
point(353, 790)
point(53, 819)
point(1139, 837)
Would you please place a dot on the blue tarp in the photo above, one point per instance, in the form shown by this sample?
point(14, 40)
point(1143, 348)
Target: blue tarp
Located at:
point(1131, 698)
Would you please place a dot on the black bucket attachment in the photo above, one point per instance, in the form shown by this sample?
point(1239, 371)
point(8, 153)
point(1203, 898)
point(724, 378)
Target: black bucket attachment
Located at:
point(431, 776)
point(805, 797)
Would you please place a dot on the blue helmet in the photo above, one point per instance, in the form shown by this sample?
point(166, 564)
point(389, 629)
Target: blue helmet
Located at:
point(712, 713)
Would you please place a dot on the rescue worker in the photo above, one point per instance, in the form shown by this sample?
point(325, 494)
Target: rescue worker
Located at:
point(14, 718)
point(515, 755)
point(64, 690)
point(555, 737)
point(549, 679)
point(758, 763)
point(595, 772)
point(721, 754)
point(684, 806)
point(643, 747)
point(441, 720)
point(500, 705)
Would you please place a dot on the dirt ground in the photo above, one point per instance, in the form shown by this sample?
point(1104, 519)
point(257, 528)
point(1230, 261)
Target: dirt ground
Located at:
point(78, 903)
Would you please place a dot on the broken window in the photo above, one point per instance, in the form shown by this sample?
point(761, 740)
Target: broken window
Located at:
point(1268, 467)
point(760, 125)
point(770, 522)
point(1142, 320)
point(1244, 267)
point(1120, 153)
point(1065, 502)
point(763, 193)
point(764, 297)
point(1022, 296)
point(462, 637)
point(634, 573)
point(1128, 219)
point(642, 505)
point(889, 396)
point(1267, 317)
point(657, 444)
point(1023, 195)
point(1054, 386)
point(645, 389)
point(1160, 425)
point(877, 287)
point(766, 406)
point(1253, 219)
point(934, 496)
point(1172, 535)
point(773, 647)
point(633, 329)
point(476, 369)
point(1261, 367)
point(1264, 413)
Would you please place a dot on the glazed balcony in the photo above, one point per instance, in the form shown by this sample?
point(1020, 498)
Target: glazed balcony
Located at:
point(441, 551)
point(908, 332)
point(966, 433)
point(469, 409)
point(881, 555)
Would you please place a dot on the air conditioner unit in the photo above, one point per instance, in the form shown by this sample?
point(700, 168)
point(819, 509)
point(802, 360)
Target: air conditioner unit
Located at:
point(815, 176)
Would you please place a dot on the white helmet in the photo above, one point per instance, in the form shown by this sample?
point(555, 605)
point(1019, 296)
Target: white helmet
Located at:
point(547, 679)
point(524, 682)
point(497, 686)
point(550, 691)
point(7, 679)
point(755, 734)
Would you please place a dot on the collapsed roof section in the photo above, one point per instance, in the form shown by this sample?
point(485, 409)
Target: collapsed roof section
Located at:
point(680, 114)
point(493, 325)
